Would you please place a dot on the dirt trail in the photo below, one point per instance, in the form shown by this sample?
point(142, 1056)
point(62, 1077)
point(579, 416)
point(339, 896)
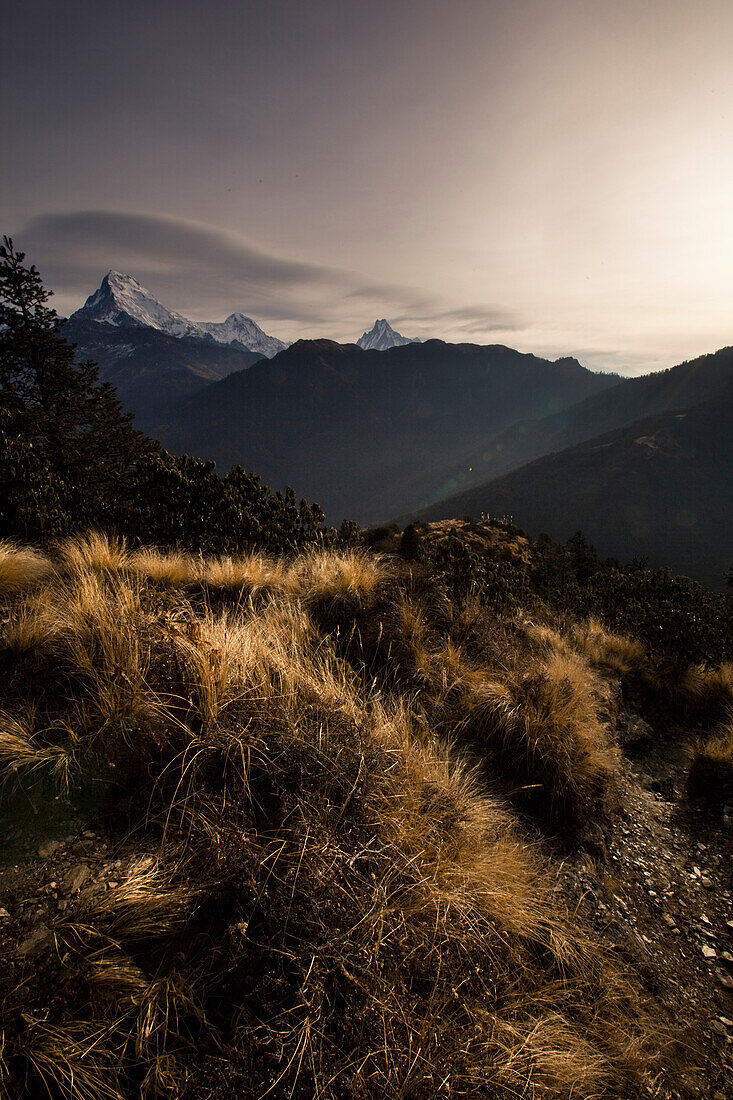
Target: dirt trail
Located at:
point(661, 897)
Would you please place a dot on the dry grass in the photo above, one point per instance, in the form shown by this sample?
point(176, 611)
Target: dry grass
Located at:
point(350, 575)
point(22, 755)
point(707, 691)
point(147, 904)
point(319, 892)
point(27, 629)
point(542, 727)
point(94, 551)
point(73, 1059)
point(99, 631)
point(607, 651)
point(247, 573)
point(520, 698)
point(21, 567)
point(172, 569)
point(710, 775)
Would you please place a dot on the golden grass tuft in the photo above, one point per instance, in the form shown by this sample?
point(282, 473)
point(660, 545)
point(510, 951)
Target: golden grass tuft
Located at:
point(23, 757)
point(92, 552)
point(601, 648)
point(331, 576)
point(173, 569)
point(246, 573)
point(73, 1060)
point(21, 567)
point(99, 630)
point(706, 690)
point(26, 630)
point(542, 728)
point(147, 904)
point(524, 703)
point(612, 652)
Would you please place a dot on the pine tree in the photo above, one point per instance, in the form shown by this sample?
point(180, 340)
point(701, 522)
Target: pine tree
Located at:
point(70, 458)
point(67, 436)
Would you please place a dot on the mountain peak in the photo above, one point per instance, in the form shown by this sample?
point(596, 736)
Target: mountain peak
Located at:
point(125, 303)
point(113, 276)
point(383, 336)
point(242, 331)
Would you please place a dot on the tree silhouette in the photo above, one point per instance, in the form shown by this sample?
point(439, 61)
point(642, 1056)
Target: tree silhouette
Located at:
point(66, 438)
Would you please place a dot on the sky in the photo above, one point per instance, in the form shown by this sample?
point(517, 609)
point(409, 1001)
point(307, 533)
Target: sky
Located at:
point(555, 175)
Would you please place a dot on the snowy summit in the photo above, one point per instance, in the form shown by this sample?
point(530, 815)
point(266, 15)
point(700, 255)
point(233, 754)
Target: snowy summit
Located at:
point(383, 336)
point(123, 302)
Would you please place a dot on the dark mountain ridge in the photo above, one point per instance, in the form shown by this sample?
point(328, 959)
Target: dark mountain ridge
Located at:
point(674, 389)
point(368, 433)
point(661, 488)
point(152, 370)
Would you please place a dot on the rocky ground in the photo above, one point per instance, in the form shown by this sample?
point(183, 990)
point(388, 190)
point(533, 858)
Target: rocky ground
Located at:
point(660, 893)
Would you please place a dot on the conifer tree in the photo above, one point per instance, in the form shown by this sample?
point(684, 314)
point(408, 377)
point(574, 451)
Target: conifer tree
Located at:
point(67, 439)
point(70, 458)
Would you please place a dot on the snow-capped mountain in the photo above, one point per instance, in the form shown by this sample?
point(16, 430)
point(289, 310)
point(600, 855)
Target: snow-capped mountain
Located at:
point(122, 301)
point(383, 336)
point(243, 332)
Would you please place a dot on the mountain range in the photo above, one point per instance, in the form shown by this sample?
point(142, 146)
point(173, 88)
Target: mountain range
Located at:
point(372, 433)
point(658, 485)
point(122, 302)
point(155, 356)
point(392, 427)
point(152, 370)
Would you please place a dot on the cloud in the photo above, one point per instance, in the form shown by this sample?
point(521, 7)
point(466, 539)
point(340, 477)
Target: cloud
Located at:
point(478, 320)
point(188, 265)
point(428, 313)
point(207, 273)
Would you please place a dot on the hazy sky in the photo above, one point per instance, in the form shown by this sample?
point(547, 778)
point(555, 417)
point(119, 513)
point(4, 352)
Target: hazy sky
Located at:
point(556, 175)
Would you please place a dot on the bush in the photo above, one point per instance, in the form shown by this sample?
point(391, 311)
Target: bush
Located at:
point(183, 502)
point(462, 571)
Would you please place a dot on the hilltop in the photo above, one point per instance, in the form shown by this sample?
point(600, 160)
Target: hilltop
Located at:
point(345, 822)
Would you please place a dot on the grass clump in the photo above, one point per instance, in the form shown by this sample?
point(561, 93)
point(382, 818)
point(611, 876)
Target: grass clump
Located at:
point(172, 569)
point(318, 893)
point(541, 728)
point(93, 551)
point(710, 777)
point(603, 649)
point(705, 690)
point(23, 756)
point(245, 574)
point(520, 700)
point(21, 567)
point(349, 576)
